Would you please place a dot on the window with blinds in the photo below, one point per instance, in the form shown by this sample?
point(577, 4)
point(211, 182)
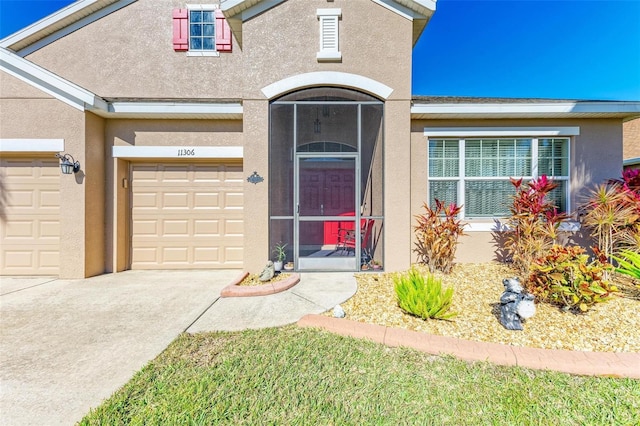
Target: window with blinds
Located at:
point(476, 172)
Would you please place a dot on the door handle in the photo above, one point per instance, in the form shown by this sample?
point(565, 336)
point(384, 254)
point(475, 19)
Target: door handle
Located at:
point(321, 209)
point(298, 209)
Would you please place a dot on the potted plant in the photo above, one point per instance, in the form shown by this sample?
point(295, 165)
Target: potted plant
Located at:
point(376, 264)
point(281, 255)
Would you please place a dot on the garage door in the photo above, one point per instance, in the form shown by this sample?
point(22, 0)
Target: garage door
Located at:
point(186, 216)
point(29, 216)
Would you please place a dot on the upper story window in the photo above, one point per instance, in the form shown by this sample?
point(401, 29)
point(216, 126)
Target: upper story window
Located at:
point(475, 172)
point(329, 35)
point(201, 30)
point(202, 33)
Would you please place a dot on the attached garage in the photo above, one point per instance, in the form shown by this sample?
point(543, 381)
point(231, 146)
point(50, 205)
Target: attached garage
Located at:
point(29, 216)
point(187, 215)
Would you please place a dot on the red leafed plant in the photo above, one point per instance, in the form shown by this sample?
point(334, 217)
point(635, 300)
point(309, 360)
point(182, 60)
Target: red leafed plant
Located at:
point(533, 223)
point(437, 235)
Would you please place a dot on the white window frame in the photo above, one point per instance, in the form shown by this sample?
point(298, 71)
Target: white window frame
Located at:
point(329, 20)
point(204, 8)
point(535, 134)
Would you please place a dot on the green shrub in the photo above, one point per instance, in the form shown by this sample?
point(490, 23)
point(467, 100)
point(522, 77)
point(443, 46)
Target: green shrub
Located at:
point(564, 276)
point(423, 296)
point(628, 263)
point(437, 235)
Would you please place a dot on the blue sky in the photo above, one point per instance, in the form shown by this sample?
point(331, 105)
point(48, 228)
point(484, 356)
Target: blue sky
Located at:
point(567, 49)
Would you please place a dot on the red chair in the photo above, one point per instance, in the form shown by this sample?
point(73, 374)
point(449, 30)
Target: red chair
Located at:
point(347, 237)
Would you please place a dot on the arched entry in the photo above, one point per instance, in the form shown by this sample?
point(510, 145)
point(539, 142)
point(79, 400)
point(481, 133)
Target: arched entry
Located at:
point(325, 178)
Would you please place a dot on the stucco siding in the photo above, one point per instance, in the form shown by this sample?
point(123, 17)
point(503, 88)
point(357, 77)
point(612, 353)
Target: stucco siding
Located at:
point(13, 88)
point(631, 132)
point(129, 53)
point(367, 31)
point(94, 176)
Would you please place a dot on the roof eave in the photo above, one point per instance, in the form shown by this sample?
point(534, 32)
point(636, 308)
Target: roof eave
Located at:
point(623, 110)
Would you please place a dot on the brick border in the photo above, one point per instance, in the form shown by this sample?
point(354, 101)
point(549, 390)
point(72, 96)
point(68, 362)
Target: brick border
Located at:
point(235, 290)
point(610, 364)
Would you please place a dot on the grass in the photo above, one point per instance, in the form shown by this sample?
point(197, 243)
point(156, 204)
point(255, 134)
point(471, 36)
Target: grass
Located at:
point(301, 376)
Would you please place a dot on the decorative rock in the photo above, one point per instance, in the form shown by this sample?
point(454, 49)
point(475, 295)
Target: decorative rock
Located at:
point(515, 305)
point(268, 272)
point(338, 312)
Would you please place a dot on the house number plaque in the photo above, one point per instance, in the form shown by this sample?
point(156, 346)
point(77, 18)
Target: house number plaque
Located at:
point(186, 152)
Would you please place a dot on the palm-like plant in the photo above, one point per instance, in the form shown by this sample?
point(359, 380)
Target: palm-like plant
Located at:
point(609, 215)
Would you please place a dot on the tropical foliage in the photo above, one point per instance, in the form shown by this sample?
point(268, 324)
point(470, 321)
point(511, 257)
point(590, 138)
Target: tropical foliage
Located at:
point(533, 223)
point(565, 276)
point(423, 296)
point(437, 235)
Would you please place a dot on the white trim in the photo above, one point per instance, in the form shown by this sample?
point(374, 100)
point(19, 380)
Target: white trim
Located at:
point(56, 17)
point(397, 8)
point(48, 82)
point(202, 6)
point(499, 225)
point(528, 108)
point(327, 78)
point(196, 53)
point(31, 145)
point(177, 152)
point(173, 108)
point(500, 131)
point(631, 161)
point(329, 12)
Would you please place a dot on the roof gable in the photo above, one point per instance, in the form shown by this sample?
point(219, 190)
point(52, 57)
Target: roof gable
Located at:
point(238, 11)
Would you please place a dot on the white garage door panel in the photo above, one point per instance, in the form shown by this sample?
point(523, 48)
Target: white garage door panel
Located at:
point(187, 216)
point(30, 219)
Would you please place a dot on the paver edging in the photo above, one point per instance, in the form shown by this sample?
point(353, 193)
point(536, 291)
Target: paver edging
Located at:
point(609, 364)
point(235, 290)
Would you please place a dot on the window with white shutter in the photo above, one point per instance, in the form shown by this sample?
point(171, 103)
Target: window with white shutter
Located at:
point(329, 35)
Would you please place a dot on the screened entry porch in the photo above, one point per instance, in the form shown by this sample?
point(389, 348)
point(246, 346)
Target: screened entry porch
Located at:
point(326, 180)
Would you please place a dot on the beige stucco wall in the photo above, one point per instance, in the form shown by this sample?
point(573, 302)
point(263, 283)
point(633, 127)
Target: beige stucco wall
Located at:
point(94, 176)
point(596, 155)
point(28, 113)
point(129, 53)
point(367, 31)
point(631, 132)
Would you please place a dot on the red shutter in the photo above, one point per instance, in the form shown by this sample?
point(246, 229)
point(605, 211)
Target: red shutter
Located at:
point(180, 30)
point(223, 33)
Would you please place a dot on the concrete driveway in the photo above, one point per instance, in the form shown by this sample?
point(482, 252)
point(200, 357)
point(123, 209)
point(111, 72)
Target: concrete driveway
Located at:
point(65, 345)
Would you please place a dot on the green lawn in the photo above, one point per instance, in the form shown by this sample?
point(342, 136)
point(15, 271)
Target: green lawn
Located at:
point(308, 377)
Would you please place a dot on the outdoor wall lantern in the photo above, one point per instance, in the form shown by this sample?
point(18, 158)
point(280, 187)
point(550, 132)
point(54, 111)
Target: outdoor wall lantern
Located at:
point(68, 164)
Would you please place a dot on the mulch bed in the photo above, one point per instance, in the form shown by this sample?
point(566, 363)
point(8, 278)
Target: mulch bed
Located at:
point(613, 326)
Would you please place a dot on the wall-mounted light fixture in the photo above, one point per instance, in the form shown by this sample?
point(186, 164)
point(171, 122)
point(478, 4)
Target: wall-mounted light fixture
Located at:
point(68, 164)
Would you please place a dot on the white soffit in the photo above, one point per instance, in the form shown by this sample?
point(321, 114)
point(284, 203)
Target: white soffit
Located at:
point(460, 132)
point(327, 78)
point(31, 145)
point(178, 152)
point(185, 110)
point(526, 110)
